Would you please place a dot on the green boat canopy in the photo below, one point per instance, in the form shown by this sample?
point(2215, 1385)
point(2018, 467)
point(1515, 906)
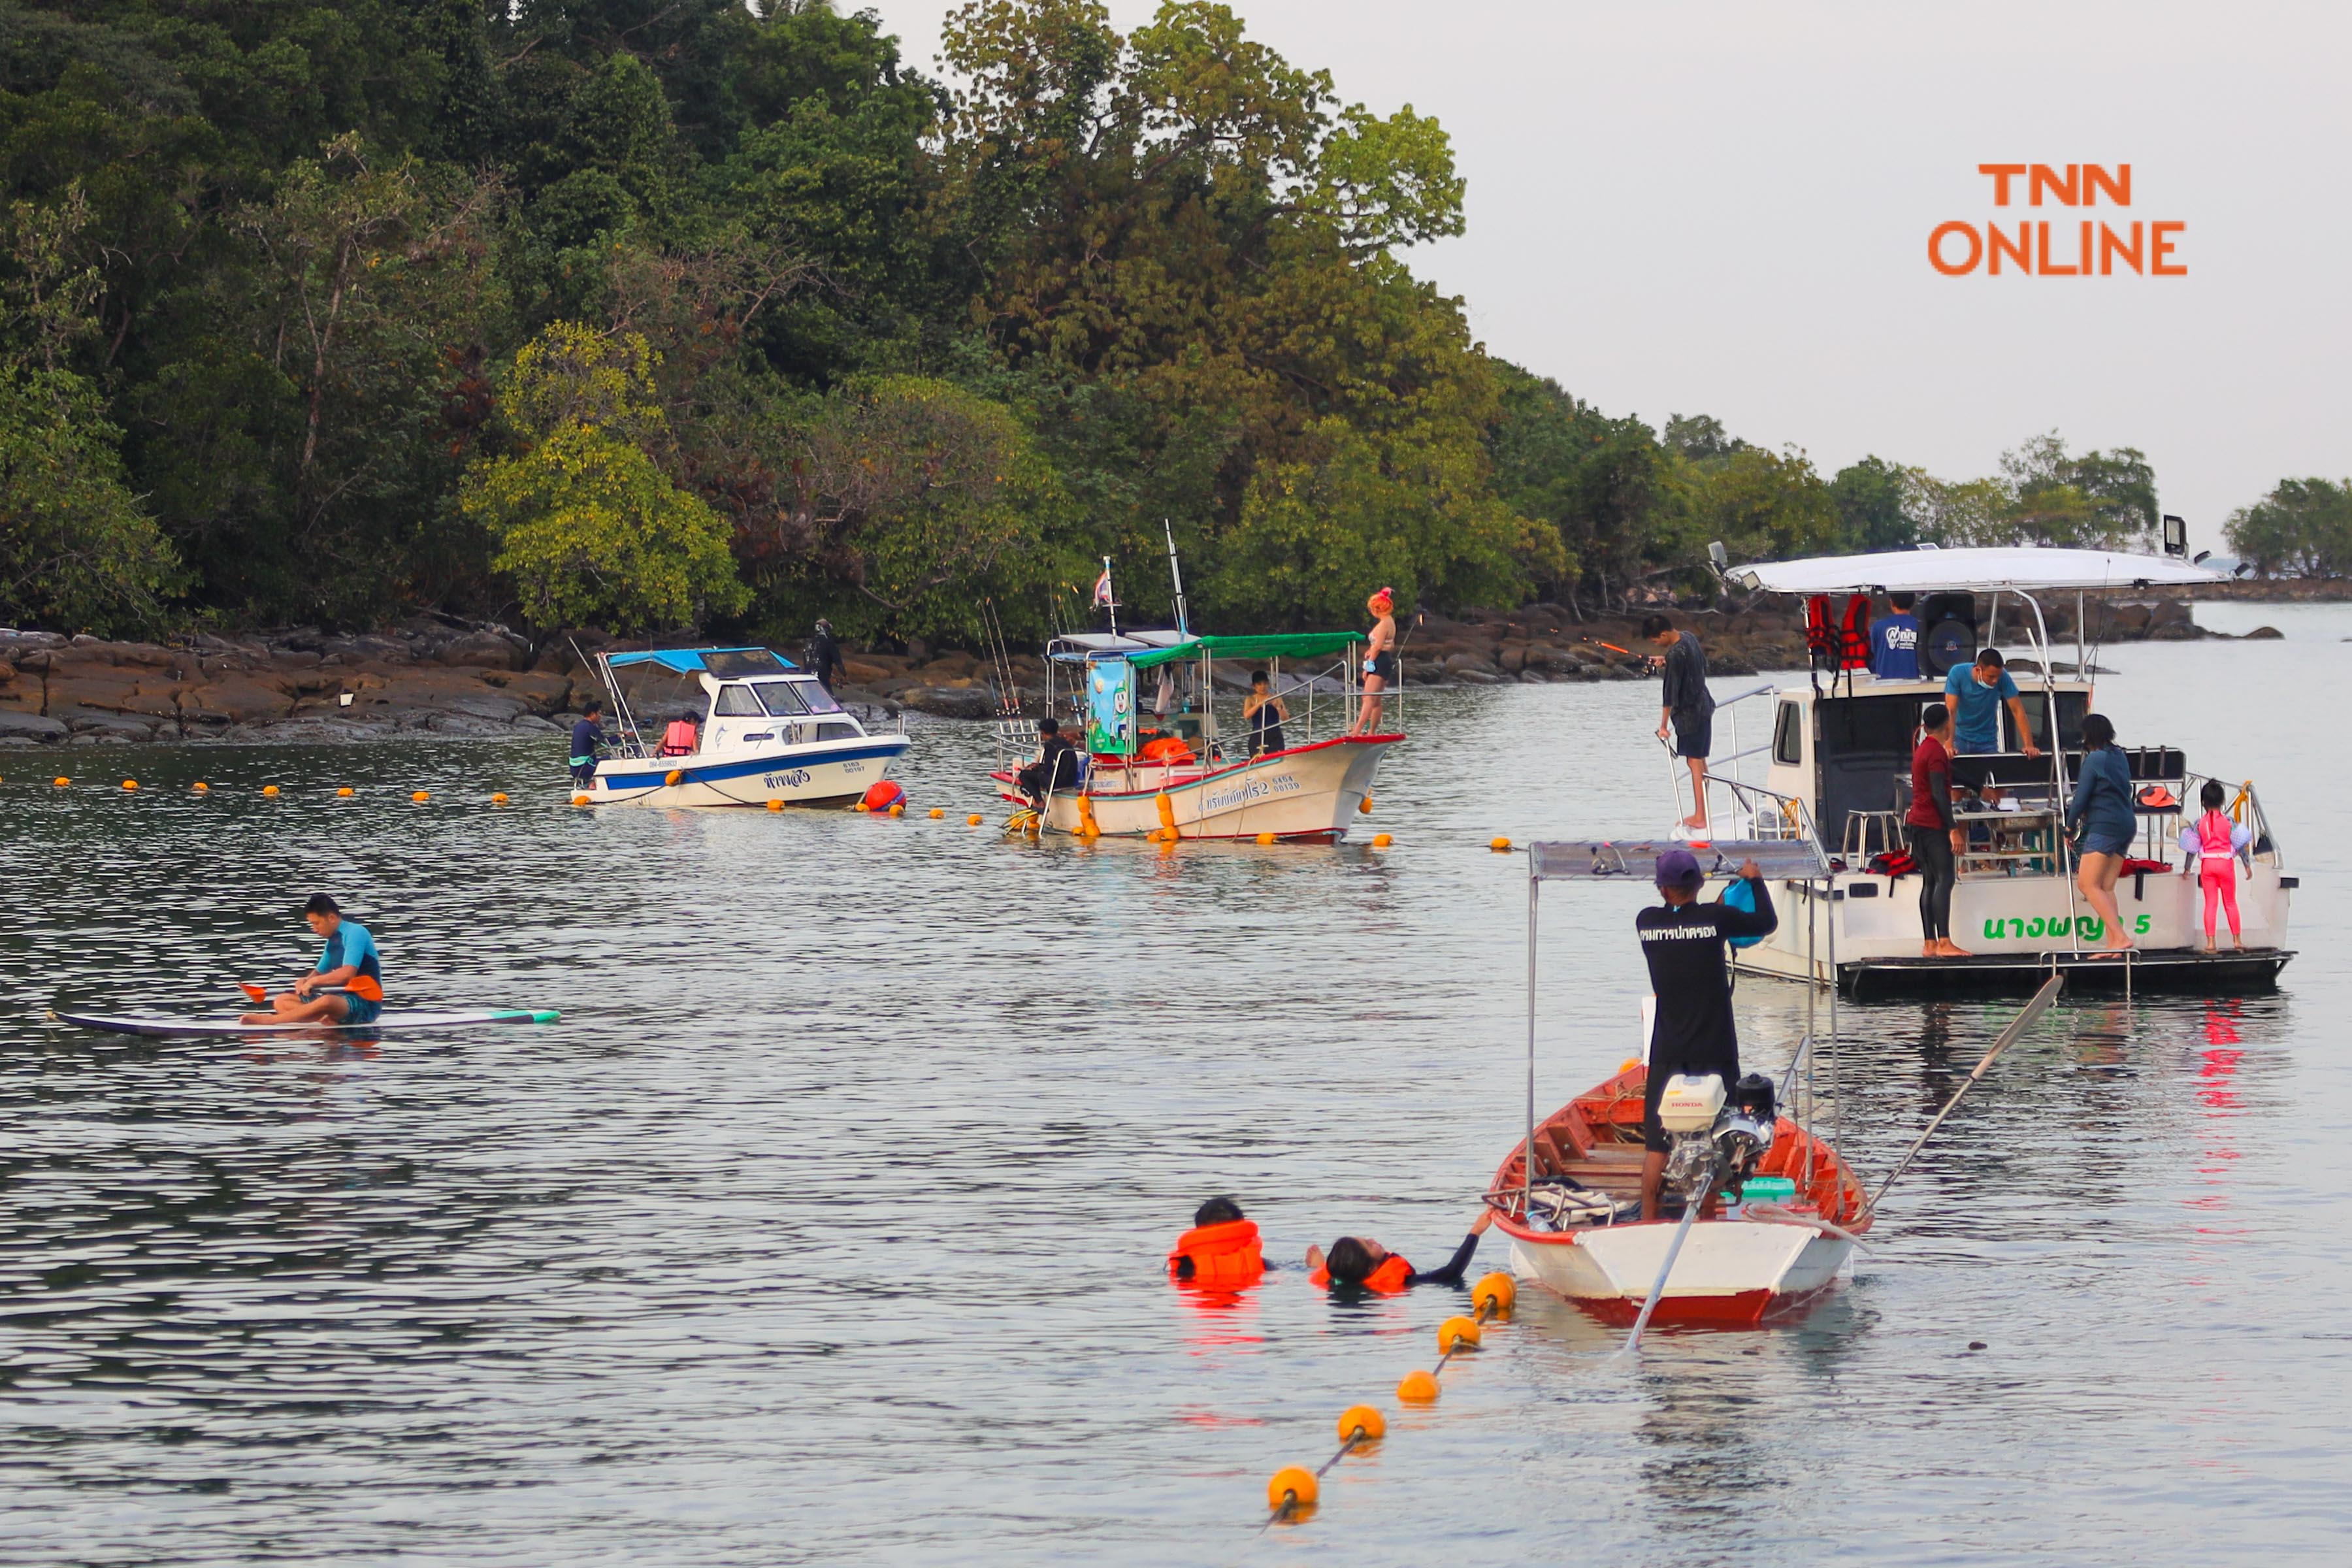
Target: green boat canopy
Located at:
point(1273, 645)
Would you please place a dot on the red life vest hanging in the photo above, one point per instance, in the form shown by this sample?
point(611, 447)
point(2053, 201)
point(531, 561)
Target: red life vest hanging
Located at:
point(1821, 637)
point(1854, 637)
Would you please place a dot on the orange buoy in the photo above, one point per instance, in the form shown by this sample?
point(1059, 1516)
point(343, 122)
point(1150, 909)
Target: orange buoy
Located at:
point(937, 812)
point(269, 789)
point(1456, 1334)
point(130, 783)
point(1365, 806)
point(1417, 1388)
point(884, 794)
point(1361, 1423)
point(1499, 845)
point(1382, 840)
point(673, 776)
point(1266, 839)
point(498, 800)
point(346, 790)
point(859, 806)
point(775, 805)
point(421, 797)
point(972, 821)
point(202, 787)
point(1498, 1293)
point(61, 783)
point(580, 800)
point(1293, 1488)
point(899, 809)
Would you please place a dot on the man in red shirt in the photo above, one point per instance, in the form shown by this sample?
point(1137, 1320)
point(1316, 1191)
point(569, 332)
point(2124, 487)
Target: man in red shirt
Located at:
point(1935, 834)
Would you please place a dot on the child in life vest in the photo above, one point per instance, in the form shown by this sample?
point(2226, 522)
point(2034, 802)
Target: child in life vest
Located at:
point(1221, 1251)
point(1359, 1261)
point(2211, 846)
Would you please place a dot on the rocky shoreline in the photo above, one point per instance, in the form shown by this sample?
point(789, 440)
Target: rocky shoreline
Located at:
point(434, 676)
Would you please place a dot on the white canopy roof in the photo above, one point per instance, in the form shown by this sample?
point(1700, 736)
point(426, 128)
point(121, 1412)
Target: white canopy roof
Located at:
point(1980, 570)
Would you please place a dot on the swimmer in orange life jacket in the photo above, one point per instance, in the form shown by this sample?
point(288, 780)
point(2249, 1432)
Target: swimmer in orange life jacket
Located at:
point(1220, 1251)
point(1362, 1261)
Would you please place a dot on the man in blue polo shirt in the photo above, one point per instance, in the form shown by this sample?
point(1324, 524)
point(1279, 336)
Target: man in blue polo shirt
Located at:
point(1976, 692)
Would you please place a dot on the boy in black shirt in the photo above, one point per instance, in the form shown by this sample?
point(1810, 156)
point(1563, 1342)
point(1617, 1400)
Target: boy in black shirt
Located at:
point(1684, 942)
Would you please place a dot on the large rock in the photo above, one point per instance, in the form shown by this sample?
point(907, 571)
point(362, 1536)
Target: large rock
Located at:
point(24, 727)
point(234, 700)
point(952, 702)
point(485, 650)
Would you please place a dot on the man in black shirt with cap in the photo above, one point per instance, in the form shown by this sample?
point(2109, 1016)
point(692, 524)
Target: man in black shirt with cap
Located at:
point(1684, 940)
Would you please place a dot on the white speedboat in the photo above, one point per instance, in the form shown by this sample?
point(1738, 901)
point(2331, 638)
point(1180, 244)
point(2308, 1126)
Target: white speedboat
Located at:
point(1841, 745)
point(768, 730)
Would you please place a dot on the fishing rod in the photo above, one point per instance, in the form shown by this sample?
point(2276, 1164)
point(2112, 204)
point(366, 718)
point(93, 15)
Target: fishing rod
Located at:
point(2017, 1026)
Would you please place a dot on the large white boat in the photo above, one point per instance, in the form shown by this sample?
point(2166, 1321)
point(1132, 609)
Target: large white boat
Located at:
point(1841, 745)
point(765, 729)
point(1171, 769)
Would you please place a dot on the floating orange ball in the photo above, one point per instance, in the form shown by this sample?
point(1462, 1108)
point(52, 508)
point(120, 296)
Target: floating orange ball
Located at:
point(498, 800)
point(269, 789)
point(937, 812)
point(421, 797)
point(1294, 1487)
point(1363, 1424)
point(346, 791)
point(1457, 1334)
point(202, 787)
point(971, 821)
point(1499, 845)
point(62, 782)
point(580, 800)
point(130, 783)
point(1418, 1388)
point(1266, 839)
point(1498, 1293)
point(1382, 840)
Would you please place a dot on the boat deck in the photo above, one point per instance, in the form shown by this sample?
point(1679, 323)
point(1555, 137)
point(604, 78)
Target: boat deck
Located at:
point(2179, 969)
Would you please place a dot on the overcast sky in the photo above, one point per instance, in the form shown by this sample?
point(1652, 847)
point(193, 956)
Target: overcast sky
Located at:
point(1725, 208)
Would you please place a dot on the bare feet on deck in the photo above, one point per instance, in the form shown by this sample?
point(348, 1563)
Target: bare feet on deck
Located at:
point(1946, 948)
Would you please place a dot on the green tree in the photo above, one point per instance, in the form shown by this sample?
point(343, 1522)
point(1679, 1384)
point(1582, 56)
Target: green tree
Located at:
point(76, 552)
point(1873, 501)
point(2303, 528)
point(594, 535)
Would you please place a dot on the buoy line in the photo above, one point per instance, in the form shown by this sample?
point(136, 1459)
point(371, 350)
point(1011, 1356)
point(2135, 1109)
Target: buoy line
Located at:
point(1292, 1491)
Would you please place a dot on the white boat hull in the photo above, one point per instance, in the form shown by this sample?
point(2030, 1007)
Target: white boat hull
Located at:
point(825, 773)
point(1730, 1271)
point(2005, 917)
point(1308, 792)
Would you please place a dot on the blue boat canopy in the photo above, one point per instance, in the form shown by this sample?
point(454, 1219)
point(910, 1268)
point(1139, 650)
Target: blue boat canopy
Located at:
point(718, 661)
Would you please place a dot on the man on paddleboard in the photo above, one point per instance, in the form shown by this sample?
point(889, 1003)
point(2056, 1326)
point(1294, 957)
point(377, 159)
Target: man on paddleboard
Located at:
point(1684, 942)
point(347, 986)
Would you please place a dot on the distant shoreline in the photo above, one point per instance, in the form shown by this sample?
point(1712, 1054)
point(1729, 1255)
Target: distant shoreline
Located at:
point(433, 677)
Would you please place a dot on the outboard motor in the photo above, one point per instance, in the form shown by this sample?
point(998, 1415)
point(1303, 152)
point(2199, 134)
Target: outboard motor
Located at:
point(1714, 1140)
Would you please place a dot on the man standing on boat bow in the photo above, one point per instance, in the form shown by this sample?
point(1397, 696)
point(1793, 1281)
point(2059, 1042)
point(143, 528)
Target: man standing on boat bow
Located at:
point(1684, 942)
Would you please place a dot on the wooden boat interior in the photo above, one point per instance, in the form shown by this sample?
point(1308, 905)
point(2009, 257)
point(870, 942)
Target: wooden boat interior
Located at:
point(1593, 1143)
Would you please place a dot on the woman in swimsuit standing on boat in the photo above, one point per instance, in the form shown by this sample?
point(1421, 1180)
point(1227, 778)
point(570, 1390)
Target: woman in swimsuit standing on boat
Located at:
point(1380, 660)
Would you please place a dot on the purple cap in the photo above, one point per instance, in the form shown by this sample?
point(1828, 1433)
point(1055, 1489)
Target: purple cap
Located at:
point(1679, 869)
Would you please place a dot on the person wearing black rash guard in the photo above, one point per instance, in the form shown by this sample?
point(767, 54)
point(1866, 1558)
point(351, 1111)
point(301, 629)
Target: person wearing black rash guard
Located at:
point(1684, 942)
point(1360, 1261)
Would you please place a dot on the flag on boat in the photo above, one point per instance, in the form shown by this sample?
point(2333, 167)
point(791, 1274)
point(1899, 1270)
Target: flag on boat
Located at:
point(1102, 587)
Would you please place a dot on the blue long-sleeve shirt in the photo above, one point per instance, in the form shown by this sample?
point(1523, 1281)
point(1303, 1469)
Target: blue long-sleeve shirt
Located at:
point(2102, 808)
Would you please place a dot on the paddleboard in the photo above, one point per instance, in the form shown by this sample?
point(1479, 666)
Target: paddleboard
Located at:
point(394, 1020)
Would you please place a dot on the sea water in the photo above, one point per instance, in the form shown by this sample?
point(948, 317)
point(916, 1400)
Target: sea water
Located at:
point(828, 1225)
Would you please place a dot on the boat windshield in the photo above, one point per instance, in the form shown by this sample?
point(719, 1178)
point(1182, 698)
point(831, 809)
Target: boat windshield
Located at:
point(812, 692)
point(782, 698)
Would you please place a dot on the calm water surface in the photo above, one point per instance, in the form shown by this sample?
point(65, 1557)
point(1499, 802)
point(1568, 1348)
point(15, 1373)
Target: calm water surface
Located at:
point(827, 1225)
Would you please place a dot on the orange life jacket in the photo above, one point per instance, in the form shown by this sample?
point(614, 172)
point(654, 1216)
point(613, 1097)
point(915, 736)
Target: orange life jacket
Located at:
point(1393, 1274)
point(1222, 1255)
point(677, 740)
point(1167, 749)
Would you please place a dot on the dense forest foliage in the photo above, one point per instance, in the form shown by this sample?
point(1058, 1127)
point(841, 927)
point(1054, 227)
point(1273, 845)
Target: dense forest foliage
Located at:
point(658, 313)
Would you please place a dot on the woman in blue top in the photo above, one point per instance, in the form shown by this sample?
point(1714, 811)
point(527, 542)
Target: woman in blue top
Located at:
point(2102, 817)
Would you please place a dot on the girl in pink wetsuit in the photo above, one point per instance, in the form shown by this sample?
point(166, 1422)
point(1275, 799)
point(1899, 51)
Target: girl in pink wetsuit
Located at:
point(2212, 844)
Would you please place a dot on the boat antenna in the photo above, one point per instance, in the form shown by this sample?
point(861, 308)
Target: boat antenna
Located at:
point(1106, 594)
point(1175, 575)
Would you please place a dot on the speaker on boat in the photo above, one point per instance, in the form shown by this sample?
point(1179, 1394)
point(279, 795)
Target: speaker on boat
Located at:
point(1948, 640)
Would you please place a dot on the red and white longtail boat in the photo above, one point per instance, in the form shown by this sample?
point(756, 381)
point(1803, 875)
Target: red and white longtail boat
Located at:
point(1183, 776)
point(1576, 1228)
point(1573, 1213)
